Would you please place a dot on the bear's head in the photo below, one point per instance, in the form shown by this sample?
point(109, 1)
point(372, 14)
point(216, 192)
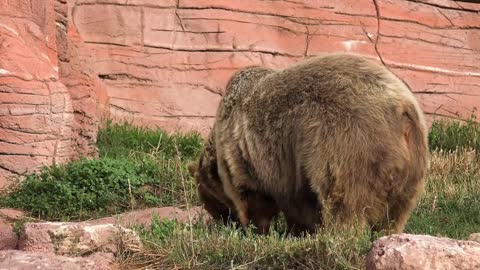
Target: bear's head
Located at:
point(209, 186)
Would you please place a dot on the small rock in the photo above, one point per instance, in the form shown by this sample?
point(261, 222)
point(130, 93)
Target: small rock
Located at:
point(474, 237)
point(103, 260)
point(417, 252)
point(76, 238)
point(8, 238)
point(24, 260)
point(144, 216)
point(11, 214)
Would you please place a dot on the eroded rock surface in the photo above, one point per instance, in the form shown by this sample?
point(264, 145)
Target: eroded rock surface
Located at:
point(8, 238)
point(422, 252)
point(167, 63)
point(474, 237)
point(22, 260)
point(49, 98)
point(79, 245)
point(76, 238)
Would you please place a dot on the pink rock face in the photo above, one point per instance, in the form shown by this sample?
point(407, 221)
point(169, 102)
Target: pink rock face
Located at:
point(48, 99)
point(168, 65)
point(10, 214)
point(36, 111)
point(417, 252)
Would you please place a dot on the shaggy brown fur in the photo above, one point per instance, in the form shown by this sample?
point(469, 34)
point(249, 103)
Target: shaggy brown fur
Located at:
point(209, 185)
point(205, 172)
point(332, 136)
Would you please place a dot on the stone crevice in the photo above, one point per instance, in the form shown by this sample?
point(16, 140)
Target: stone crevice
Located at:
point(178, 16)
point(445, 93)
point(429, 26)
point(430, 42)
point(279, 27)
point(446, 17)
point(274, 53)
point(459, 8)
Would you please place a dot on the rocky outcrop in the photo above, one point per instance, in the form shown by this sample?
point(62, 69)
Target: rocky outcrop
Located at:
point(76, 238)
point(36, 111)
point(47, 114)
point(93, 244)
point(103, 234)
point(417, 252)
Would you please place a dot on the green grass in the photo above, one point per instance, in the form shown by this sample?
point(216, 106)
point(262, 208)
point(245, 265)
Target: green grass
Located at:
point(137, 168)
point(123, 140)
point(171, 245)
point(84, 188)
point(451, 136)
point(450, 205)
point(140, 168)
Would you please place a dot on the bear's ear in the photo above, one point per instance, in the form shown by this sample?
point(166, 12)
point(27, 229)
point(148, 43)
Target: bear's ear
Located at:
point(192, 166)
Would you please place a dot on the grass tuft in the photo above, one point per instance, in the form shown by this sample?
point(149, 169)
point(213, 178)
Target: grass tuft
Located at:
point(453, 135)
point(450, 205)
point(123, 140)
point(185, 246)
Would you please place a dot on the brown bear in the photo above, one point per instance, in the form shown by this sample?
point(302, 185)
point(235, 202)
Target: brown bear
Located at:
point(303, 212)
point(332, 137)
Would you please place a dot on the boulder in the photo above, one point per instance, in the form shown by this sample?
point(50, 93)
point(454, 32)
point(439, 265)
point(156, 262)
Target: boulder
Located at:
point(417, 252)
point(474, 237)
point(11, 214)
point(24, 260)
point(76, 238)
point(8, 238)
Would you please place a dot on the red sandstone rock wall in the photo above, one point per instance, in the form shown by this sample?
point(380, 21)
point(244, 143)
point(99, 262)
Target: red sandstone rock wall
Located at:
point(166, 62)
point(48, 102)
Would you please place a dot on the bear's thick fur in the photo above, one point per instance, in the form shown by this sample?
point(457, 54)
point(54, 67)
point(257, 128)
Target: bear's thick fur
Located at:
point(334, 137)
